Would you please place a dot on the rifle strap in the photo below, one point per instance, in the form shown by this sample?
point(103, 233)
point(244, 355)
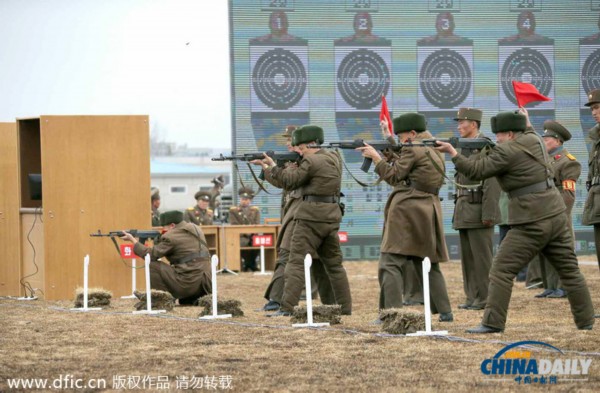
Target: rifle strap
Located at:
point(360, 183)
point(202, 242)
point(116, 245)
point(441, 172)
point(260, 184)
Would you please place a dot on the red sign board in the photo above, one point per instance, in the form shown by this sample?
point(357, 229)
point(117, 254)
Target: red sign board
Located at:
point(343, 237)
point(262, 240)
point(127, 250)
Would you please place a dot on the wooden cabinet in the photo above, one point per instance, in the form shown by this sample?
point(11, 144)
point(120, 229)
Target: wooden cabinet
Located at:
point(211, 233)
point(10, 246)
point(230, 245)
point(95, 175)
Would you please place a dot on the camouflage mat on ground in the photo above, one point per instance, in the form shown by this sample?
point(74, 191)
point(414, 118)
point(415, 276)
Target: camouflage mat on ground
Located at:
point(97, 297)
point(321, 314)
point(161, 300)
point(398, 321)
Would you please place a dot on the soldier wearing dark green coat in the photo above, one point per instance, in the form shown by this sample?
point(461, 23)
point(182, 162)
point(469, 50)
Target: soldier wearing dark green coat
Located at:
point(290, 201)
point(536, 215)
point(591, 211)
point(200, 214)
point(317, 220)
point(566, 171)
point(187, 276)
point(413, 227)
point(476, 212)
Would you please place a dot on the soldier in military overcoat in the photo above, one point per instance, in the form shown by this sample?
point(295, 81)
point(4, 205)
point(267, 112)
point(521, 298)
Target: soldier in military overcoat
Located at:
point(536, 215)
point(187, 276)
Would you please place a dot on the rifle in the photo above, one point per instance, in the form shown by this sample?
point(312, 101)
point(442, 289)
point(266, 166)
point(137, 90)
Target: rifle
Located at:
point(140, 234)
point(463, 143)
point(281, 158)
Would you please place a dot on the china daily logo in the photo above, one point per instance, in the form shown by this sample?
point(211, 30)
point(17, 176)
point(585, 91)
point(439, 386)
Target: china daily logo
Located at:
point(549, 367)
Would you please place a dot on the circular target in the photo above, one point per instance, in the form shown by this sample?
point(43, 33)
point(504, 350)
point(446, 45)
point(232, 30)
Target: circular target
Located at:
point(279, 79)
point(362, 78)
point(445, 78)
point(526, 65)
point(590, 73)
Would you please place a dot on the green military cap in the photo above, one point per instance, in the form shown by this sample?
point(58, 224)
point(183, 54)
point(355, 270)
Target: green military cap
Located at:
point(408, 122)
point(289, 130)
point(468, 114)
point(171, 217)
point(307, 133)
point(202, 195)
point(556, 130)
point(154, 194)
point(246, 192)
point(493, 124)
point(510, 121)
point(593, 97)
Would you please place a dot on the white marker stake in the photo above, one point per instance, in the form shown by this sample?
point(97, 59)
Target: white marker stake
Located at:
point(309, 308)
point(148, 309)
point(214, 262)
point(262, 263)
point(133, 285)
point(427, 332)
point(86, 263)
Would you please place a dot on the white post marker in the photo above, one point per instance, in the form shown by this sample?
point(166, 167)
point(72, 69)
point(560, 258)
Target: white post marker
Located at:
point(262, 263)
point(148, 309)
point(133, 284)
point(427, 332)
point(309, 308)
point(86, 263)
point(214, 262)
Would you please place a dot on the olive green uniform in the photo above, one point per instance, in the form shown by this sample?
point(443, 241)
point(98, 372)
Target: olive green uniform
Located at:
point(591, 210)
point(188, 276)
point(538, 223)
point(319, 276)
point(155, 217)
point(249, 215)
point(198, 216)
point(413, 227)
point(317, 221)
point(475, 202)
point(566, 172)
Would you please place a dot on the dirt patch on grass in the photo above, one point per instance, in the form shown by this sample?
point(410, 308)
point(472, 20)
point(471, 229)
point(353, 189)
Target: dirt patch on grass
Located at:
point(253, 353)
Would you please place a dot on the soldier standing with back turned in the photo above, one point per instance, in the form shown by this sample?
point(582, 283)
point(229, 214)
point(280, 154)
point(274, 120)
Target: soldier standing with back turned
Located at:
point(476, 212)
point(317, 220)
point(413, 227)
point(536, 216)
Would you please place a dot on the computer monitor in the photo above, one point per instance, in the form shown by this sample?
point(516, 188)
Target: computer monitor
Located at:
point(35, 186)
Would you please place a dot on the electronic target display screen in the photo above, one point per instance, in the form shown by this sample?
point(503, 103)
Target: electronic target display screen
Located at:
point(296, 62)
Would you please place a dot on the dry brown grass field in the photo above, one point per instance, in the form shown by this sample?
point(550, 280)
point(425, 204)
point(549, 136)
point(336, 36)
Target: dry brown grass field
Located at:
point(42, 339)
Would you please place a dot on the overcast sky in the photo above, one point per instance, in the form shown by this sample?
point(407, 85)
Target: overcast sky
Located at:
point(165, 58)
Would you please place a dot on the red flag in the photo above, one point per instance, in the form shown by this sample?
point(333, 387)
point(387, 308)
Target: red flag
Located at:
point(385, 114)
point(526, 93)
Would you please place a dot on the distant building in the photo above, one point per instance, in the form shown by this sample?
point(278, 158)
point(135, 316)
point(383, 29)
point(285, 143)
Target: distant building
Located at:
point(179, 182)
